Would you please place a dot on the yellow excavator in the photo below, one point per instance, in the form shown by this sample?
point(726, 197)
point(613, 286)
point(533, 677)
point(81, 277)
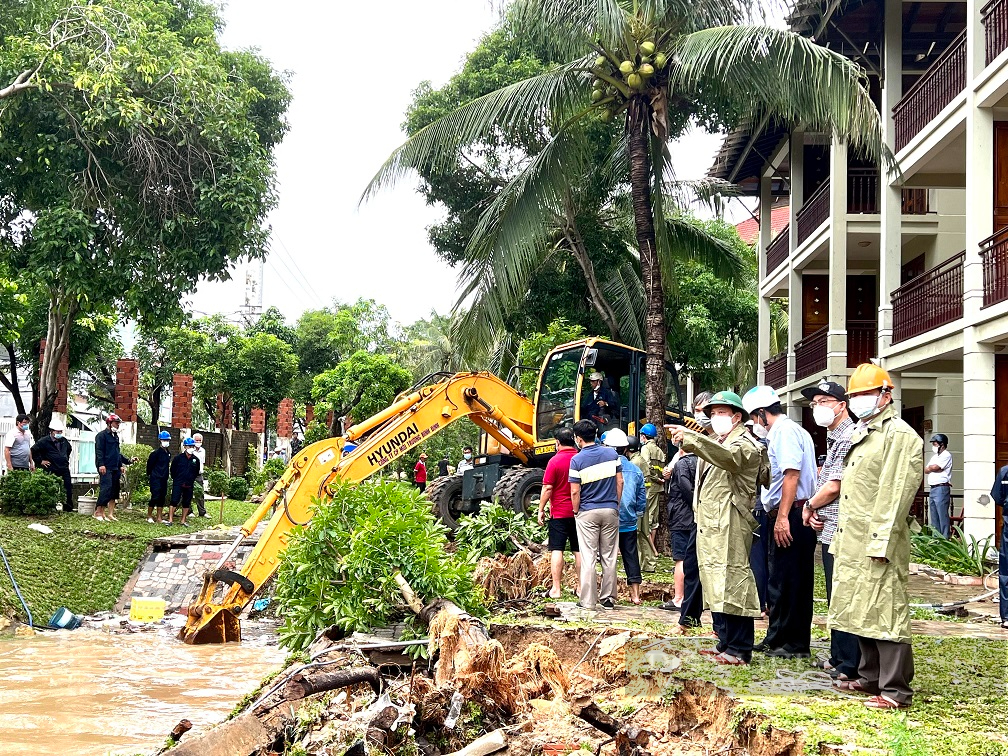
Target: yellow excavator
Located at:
point(516, 442)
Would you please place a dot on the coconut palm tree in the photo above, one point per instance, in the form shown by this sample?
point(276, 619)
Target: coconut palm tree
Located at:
point(639, 61)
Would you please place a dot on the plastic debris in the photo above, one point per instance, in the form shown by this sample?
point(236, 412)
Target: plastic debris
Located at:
point(38, 526)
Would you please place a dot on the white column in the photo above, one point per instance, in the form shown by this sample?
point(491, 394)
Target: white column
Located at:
point(978, 463)
point(836, 338)
point(797, 159)
point(890, 256)
point(765, 234)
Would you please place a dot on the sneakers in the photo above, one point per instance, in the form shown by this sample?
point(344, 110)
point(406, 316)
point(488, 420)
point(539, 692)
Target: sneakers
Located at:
point(150, 520)
point(670, 606)
point(607, 603)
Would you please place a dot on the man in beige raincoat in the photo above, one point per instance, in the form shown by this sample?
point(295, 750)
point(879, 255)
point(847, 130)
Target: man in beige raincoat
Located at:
point(871, 547)
point(729, 466)
point(652, 461)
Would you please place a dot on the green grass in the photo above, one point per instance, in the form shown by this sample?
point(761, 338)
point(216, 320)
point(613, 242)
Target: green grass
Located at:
point(83, 564)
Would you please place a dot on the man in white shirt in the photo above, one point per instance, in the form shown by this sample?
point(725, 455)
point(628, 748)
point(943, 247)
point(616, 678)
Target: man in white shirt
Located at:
point(199, 485)
point(17, 446)
point(466, 462)
point(939, 479)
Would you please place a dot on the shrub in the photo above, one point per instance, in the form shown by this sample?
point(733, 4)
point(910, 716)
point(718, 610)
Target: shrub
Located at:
point(338, 570)
point(954, 554)
point(252, 461)
point(30, 493)
point(137, 487)
point(238, 488)
point(218, 482)
point(316, 431)
point(495, 530)
point(273, 469)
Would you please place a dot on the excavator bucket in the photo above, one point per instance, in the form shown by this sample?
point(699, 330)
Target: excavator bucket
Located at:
point(219, 626)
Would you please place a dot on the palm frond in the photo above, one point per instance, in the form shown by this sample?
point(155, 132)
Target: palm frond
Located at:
point(686, 240)
point(625, 292)
point(785, 75)
point(569, 28)
point(538, 102)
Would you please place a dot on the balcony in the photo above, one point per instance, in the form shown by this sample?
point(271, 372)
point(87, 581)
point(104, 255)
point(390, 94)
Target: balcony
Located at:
point(778, 250)
point(994, 251)
point(810, 354)
point(814, 212)
point(862, 341)
point(930, 300)
point(775, 370)
point(935, 89)
point(995, 21)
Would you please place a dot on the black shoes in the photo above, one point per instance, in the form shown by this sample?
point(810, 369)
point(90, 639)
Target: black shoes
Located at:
point(607, 603)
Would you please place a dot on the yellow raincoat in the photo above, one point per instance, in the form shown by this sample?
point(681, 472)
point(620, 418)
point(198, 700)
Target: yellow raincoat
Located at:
point(727, 474)
point(651, 462)
point(883, 472)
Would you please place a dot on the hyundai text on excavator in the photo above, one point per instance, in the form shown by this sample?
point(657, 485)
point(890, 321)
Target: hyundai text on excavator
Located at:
point(516, 442)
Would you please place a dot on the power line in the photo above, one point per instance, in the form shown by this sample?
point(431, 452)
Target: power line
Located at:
point(300, 272)
point(276, 272)
point(293, 277)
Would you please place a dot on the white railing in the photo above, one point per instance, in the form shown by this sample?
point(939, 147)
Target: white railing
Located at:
point(82, 454)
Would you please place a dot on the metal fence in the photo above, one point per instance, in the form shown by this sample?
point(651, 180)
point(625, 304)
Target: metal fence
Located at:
point(82, 451)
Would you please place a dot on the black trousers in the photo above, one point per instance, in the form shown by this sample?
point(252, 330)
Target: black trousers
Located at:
point(158, 493)
point(845, 654)
point(692, 605)
point(791, 587)
point(181, 496)
point(758, 555)
point(68, 505)
point(887, 667)
point(108, 486)
point(631, 560)
point(735, 634)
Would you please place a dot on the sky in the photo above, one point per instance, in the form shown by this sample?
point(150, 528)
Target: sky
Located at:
point(353, 69)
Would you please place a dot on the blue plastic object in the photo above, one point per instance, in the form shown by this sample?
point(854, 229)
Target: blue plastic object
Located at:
point(64, 619)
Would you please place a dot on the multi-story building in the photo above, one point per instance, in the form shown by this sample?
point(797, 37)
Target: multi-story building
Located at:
point(908, 268)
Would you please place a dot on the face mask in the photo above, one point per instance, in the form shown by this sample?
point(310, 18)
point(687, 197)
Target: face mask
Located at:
point(164, 444)
point(467, 455)
point(199, 444)
point(722, 425)
point(934, 448)
point(24, 426)
point(823, 415)
point(864, 405)
point(59, 435)
point(759, 431)
point(115, 431)
point(702, 418)
point(189, 450)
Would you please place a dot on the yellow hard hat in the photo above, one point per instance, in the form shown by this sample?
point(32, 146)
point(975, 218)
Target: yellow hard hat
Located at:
point(868, 377)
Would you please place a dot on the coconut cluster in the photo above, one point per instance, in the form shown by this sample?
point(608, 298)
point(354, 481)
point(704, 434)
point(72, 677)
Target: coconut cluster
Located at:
point(634, 70)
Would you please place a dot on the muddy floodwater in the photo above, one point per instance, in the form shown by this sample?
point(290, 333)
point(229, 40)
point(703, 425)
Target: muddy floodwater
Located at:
point(90, 691)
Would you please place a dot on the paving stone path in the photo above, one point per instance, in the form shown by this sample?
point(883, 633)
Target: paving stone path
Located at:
point(174, 569)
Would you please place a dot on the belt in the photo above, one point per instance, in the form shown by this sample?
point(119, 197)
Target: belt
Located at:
point(941, 485)
point(800, 503)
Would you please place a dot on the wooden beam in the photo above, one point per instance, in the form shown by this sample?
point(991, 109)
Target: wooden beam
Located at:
point(911, 17)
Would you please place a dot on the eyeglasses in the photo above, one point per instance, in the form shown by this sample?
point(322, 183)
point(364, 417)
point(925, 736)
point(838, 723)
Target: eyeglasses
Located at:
point(823, 402)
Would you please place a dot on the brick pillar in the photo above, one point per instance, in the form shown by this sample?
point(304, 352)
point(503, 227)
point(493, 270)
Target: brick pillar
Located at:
point(62, 378)
point(127, 389)
point(309, 413)
point(258, 423)
point(182, 399)
point(285, 418)
point(225, 413)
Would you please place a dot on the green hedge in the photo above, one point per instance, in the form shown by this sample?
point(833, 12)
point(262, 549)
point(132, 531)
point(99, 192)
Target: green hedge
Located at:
point(238, 488)
point(30, 493)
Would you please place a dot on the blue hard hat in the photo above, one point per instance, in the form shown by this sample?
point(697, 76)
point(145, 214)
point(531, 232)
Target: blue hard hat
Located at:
point(188, 442)
point(348, 447)
point(649, 429)
point(164, 436)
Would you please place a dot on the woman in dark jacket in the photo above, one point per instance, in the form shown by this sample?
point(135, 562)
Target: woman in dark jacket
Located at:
point(679, 487)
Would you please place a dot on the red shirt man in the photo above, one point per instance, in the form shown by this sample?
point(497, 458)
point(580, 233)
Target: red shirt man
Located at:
point(420, 472)
point(556, 493)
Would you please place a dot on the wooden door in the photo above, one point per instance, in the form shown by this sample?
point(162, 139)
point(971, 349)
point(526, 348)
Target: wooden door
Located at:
point(911, 269)
point(1000, 175)
point(1000, 424)
point(815, 303)
point(862, 341)
point(914, 417)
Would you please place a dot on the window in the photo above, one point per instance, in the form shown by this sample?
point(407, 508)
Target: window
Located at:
point(555, 407)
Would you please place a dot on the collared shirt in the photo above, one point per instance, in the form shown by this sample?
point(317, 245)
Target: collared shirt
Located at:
point(557, 474)
point(944, 460)
point(838, 443)
point(20, 443)
point(463, 465)
point(791, 448)
point(595, 468)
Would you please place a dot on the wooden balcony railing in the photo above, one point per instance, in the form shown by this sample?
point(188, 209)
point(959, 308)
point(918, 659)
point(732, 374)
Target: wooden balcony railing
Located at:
point(778, 251)
point(915, 202)
point(930, 300)
point(994, 251)
point(775, 370)
point(995, 21)
point(862, 190)
point(814, 212)
point(935, 89)
point(810, 354)
point(862, 341)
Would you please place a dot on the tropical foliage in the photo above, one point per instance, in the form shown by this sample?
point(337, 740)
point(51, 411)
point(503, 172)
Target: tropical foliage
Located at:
point(496, 530)
point(959, 555)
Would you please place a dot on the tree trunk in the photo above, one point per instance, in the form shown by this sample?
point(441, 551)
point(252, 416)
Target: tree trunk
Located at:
point(62, 310)
point(155, 403)
point(596, 298)
point(639, 134)
point(11, 383)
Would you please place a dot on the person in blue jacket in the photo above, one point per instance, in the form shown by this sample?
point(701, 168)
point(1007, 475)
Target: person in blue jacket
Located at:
point(185, 468)
point(1000, 495)
point(110, 462)
point(158, 465)
point(633, 505)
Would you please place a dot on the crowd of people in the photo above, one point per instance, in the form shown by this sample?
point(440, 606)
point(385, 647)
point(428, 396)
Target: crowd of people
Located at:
point(748, 502)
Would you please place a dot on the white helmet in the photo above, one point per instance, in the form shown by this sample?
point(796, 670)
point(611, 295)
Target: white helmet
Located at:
point(759, 397)
point(56, 425)
point(615, 438)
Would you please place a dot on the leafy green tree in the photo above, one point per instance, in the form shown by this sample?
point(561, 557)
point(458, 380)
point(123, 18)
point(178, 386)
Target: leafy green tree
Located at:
point(536, 346)
point(646, 63)
point(359, 386)
point(261, 375)
point(137, 156)
point(273, 322)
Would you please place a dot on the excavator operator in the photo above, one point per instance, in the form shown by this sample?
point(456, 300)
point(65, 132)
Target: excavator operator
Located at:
point(602, 405)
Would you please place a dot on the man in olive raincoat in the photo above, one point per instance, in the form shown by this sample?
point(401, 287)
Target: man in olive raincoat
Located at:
point(652, 462)
point(871, 547)
point(730, 464)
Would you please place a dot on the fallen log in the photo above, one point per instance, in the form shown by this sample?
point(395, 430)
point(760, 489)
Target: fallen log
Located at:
point(630, 740)
point(484, 745)
point(310, 682)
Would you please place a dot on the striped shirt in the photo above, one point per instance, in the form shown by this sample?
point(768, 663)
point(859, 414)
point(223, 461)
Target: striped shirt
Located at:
point(595, 468)
point(838, 443)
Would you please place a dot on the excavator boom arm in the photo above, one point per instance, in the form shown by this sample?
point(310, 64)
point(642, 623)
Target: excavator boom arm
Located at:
point(411, 420)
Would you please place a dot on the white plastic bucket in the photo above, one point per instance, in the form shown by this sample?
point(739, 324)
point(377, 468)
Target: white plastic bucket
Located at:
point(86, 505)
